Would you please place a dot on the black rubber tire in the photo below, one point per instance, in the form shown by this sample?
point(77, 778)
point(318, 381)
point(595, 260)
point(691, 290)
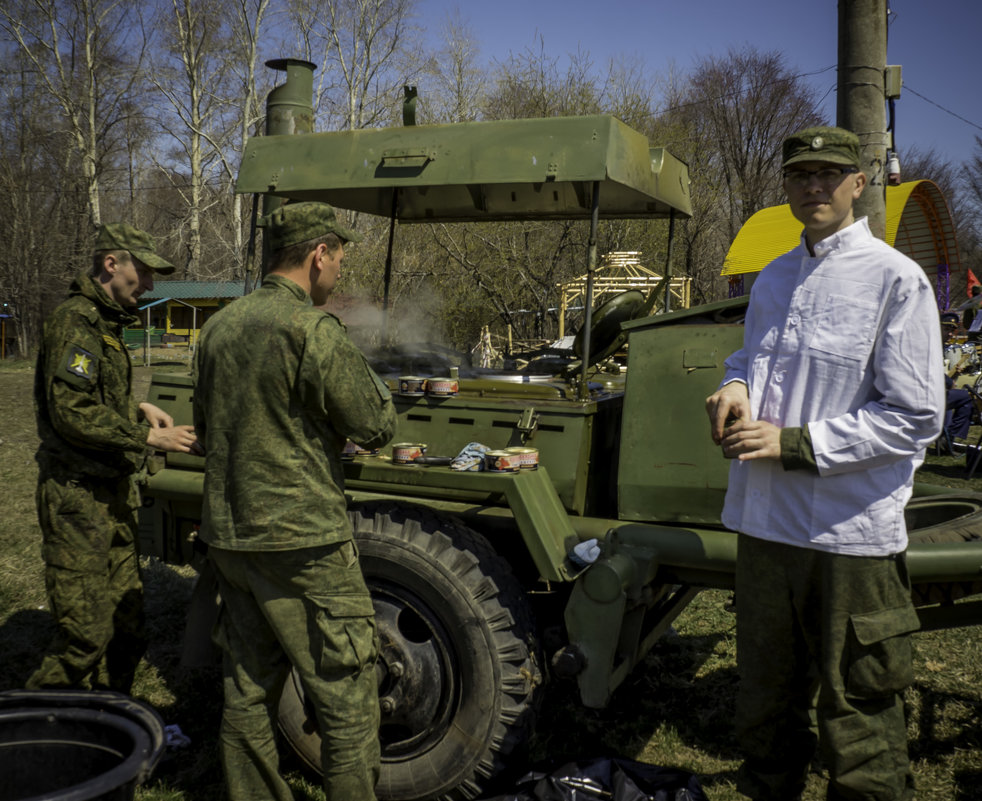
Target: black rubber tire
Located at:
point(951, 518)
point(453, 616)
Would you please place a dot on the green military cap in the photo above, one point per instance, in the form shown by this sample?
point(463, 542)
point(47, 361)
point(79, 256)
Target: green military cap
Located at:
point(122, 236)
point(293, 223)
point(823, 143)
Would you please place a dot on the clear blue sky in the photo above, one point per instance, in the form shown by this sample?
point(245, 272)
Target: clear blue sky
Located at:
point(935, 41)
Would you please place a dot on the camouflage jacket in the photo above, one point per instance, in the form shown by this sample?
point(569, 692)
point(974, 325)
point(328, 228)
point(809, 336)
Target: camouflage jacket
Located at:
point(87, 420)
point(279, 387)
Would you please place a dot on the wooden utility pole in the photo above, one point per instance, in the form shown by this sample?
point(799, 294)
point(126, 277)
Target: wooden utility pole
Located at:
point(861, 105)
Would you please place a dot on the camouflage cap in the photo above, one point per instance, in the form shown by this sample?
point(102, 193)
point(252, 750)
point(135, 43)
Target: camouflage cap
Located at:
point(122, 236)
point(823, 143)
point(293, 223)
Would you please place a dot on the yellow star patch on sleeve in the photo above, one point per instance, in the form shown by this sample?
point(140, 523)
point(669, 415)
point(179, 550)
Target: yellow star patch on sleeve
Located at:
point(79, 363)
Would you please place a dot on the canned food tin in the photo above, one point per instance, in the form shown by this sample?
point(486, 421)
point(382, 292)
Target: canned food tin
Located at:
point(352, 449)
point(405, 452)
point(444, 387)
point(528, 457)
point(411, 385)
point(502, 462)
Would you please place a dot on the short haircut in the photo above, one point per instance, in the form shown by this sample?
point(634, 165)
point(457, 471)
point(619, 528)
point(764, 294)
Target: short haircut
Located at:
point(294, 255)
point(100, 256)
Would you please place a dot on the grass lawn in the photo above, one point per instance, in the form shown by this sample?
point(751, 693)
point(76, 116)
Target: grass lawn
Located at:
point(675, 710)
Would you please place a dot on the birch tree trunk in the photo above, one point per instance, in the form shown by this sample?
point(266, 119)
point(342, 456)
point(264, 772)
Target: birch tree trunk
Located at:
point(193, 80)
point(76, 49)
point(247, 23)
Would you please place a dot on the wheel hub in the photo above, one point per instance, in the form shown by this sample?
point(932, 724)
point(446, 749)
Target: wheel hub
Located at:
point(417, 691)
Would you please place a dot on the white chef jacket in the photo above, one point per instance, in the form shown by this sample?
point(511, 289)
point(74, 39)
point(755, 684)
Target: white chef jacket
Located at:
point(849, 343)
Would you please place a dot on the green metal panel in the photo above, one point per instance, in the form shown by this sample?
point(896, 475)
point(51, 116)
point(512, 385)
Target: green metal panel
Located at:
point(545, 527)
point(570, 442)
point(499, 170)
point(529, 495)
point(173, 392)
point(669, 469)
point(578, 452)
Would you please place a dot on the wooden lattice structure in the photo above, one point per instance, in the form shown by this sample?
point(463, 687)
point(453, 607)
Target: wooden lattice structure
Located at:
point(618, 272)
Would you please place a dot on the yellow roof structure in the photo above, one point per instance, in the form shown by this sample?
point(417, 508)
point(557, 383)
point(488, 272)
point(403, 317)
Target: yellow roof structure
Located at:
point(918, 224)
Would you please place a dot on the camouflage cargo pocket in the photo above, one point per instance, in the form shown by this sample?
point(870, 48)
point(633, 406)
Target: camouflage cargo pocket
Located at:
point(76, 528)
point(347, 624)
point(880, 653)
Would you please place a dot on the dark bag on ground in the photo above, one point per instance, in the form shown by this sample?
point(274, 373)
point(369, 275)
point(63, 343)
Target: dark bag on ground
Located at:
point(613, 779)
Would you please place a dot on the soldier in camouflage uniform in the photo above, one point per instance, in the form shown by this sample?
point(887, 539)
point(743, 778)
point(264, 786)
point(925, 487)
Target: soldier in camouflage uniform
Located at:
point(279, 388)
point(94, 437)
point(826, 412)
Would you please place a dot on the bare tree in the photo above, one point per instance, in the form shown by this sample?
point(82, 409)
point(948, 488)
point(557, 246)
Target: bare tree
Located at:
point(973, 185)
point(743, 106)
point(628, 93)
point(192, 75)
point(970, 228)
point(68, 105)
point(704, 237)
point(247, 20)
point(918, 164)
point(727, 121)
point(45, 204)
point(534, 84)
point(366, 49)
point(86, 54)
point(458, 79)
point(516, 267)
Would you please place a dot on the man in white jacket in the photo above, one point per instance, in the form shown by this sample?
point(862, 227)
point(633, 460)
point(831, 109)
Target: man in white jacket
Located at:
point(826, 411)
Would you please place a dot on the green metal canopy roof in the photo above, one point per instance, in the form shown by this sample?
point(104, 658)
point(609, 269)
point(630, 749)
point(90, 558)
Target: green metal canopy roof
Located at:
point(499, 170)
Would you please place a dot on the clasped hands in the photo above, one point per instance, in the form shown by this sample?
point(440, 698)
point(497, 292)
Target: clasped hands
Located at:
point(733, 430)
point(165, 436)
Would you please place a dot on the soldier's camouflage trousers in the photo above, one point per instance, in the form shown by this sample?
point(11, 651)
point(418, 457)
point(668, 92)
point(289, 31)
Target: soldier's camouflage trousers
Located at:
point(822, 639)
point(92, 576)
point(308, 608)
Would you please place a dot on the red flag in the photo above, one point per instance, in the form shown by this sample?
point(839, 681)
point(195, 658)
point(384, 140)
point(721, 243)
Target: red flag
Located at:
point(971, 281)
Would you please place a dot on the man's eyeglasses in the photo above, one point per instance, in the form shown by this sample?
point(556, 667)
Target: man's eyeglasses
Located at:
point(824, 175)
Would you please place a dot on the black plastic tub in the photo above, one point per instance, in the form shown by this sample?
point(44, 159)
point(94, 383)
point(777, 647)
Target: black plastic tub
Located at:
point(70, 745)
